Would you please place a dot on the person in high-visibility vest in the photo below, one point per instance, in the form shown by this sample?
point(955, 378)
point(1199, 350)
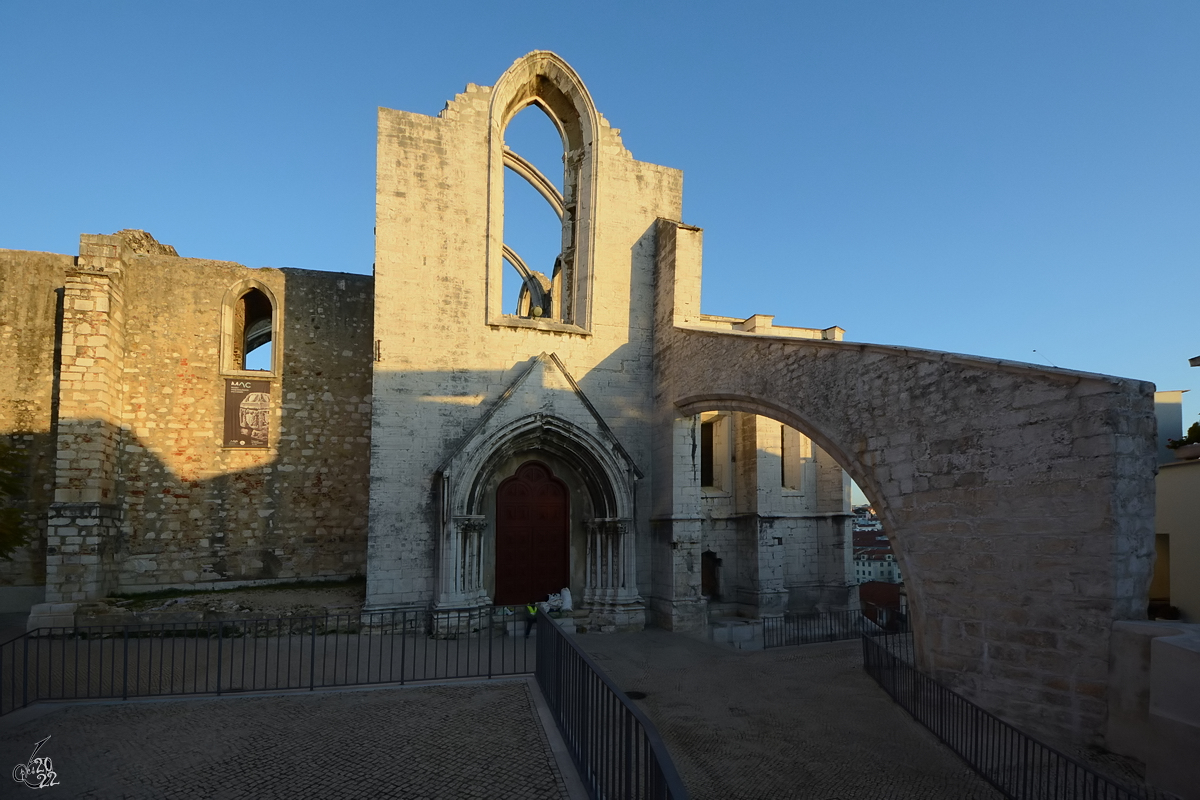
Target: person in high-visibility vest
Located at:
point(531, 611)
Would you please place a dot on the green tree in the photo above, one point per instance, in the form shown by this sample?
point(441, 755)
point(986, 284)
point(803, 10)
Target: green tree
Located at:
point(1192, 437)
point(14, 532)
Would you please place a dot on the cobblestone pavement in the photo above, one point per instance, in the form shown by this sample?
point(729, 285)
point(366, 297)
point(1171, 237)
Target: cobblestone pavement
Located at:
point(794, 722)
point(465, 740)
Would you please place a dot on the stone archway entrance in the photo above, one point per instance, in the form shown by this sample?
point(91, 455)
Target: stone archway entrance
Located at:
point(533, 535)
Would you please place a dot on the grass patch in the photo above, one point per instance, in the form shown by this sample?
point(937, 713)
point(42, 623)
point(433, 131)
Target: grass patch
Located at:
point(167, 594)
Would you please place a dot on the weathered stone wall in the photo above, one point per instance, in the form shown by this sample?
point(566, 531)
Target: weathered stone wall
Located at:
point(145, 492)
point(1019, 500)
point(195, 511)
point(30, 298)
point(443, 367)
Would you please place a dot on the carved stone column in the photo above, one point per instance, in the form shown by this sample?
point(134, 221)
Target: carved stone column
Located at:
point(461, 574)
point(611, 593)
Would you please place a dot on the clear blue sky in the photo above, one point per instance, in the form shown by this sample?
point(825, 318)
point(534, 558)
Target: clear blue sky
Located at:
point(987, 178)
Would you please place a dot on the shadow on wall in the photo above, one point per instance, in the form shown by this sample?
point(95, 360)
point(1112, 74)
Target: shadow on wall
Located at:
point(297, 509)
point(270, 521)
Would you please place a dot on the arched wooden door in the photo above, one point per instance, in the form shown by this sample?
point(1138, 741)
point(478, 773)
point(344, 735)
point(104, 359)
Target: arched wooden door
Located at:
point(533, 535)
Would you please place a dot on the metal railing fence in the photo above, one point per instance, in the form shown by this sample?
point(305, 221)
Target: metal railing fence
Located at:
point(249, 655)
point(1015, 763)
point(615, 747)
point(794, 628)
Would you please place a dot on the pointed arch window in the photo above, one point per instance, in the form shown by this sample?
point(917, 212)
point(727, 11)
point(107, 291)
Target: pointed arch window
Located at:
point(552, 289)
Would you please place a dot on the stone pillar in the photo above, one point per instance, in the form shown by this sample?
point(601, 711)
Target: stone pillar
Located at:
point(461, 602)
point(676, 600)
point(766, 594)
point(611, 594)
point(85, 518)
point(835, 571)
point(460, 579)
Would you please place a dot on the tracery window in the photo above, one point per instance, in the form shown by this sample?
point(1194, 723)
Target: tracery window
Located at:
point(537, 240)
point(544, 279)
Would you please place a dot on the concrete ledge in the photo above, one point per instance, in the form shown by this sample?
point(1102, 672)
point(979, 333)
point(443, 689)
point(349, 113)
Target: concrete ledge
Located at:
point(1154, 701)
point(1175, 713)
point(51, 615)
point(737, 632)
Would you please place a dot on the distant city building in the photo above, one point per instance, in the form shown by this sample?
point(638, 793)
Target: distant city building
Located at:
point(873, 556)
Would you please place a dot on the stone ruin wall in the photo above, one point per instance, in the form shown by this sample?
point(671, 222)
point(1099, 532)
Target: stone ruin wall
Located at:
point(442, 366)
point(174, 506)
point(30, 289)
point(196, 511)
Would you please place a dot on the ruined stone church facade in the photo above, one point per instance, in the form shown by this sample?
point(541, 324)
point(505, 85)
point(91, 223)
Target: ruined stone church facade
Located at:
point(460, 445)
point(416, 426)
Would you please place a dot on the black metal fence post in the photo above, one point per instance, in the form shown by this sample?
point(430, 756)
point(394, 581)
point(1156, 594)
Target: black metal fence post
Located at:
point(25, 673)
point(220, 652)
point(602, 728)
point(312, 657)
point(125, 666)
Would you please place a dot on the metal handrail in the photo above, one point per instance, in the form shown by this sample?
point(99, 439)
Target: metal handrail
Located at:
point(1014, 762)
point(616, 748)
point(267, 654)
point(796, 628)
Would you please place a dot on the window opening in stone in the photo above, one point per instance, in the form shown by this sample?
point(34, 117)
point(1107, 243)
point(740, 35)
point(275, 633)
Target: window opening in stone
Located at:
point(252, 333)
point(534, 137)
point(538, 222)
point(710, 575)
point(795, 460)
point(706, 453)
point(716, 456)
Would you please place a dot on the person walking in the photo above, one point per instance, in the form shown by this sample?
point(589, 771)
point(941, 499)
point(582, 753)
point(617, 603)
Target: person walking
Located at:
point(531, 612)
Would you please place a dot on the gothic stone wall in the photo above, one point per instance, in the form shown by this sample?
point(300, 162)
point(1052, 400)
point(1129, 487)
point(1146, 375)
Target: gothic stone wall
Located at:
point(442, 366)
point(1019, 500)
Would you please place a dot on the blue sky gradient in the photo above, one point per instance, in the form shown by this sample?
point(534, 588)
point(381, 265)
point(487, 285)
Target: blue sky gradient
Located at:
point(1016, 180)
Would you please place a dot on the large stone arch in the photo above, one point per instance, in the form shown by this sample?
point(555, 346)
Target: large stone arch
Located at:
point(1020, 497)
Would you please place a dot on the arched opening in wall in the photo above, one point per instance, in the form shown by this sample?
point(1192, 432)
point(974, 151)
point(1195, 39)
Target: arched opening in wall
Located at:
point(775, 517)
point(538, 230)
point(601, 559)
point(253, 322)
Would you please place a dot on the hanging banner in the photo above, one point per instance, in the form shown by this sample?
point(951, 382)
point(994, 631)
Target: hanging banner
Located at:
point(247, 413)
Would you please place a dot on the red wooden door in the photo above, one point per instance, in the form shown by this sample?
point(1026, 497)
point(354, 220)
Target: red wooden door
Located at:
point(533, 535)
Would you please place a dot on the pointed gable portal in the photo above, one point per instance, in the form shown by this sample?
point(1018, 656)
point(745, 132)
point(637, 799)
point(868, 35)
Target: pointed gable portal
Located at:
point(465, 300)
point(538, 497)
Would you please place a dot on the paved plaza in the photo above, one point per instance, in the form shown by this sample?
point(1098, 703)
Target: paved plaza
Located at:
point(793, 722)
point(802, 722)
point(465, 740)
